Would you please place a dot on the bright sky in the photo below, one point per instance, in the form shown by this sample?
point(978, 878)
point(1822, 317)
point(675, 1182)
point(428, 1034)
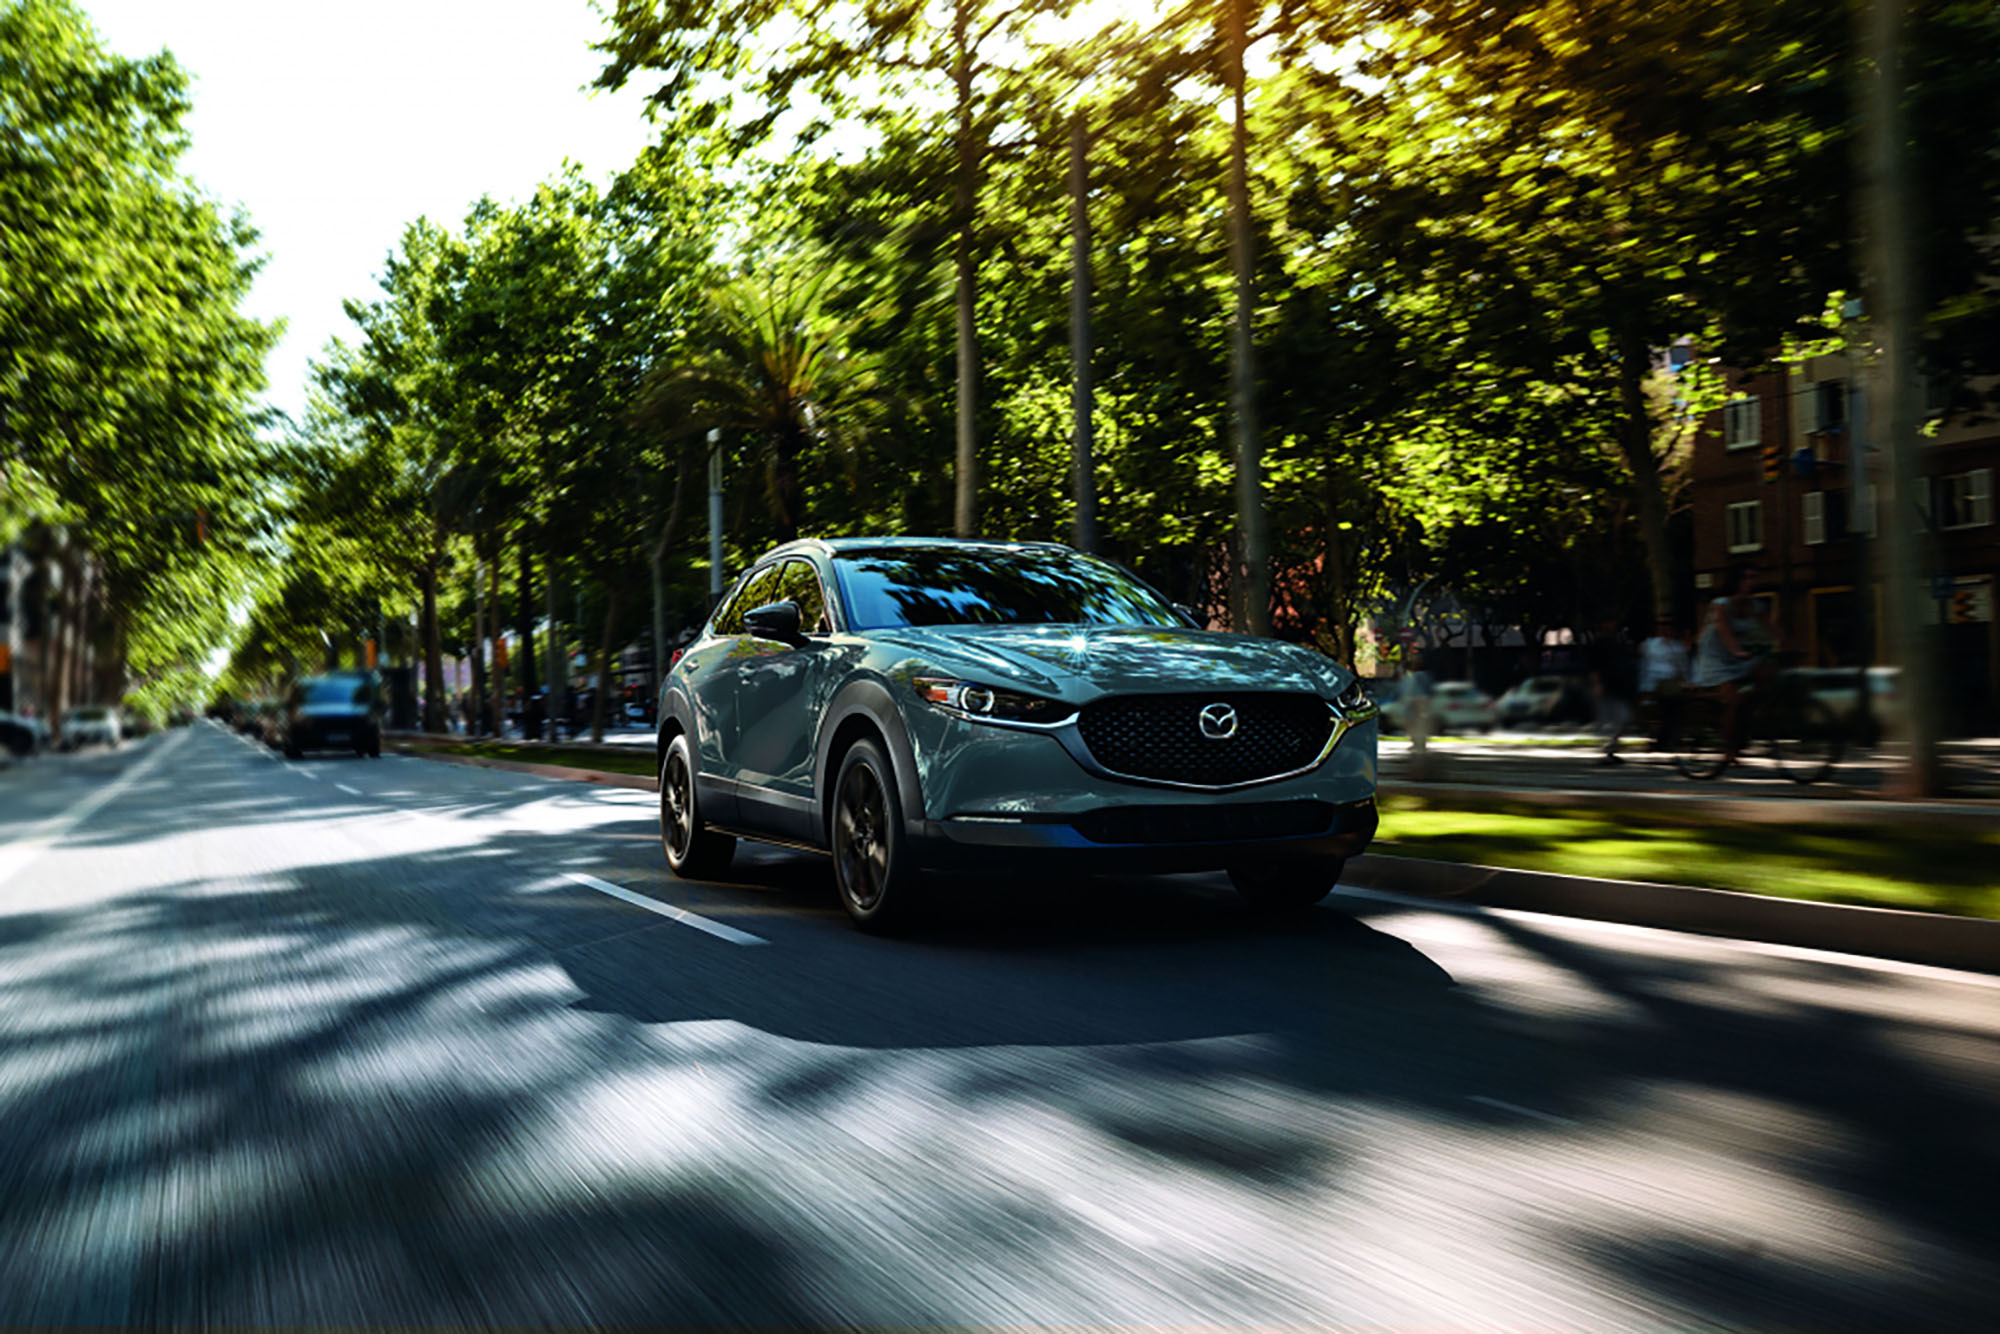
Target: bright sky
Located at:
point(337, 122)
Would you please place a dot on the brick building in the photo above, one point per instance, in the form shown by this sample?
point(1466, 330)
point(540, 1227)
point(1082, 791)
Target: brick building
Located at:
point(1774, 480)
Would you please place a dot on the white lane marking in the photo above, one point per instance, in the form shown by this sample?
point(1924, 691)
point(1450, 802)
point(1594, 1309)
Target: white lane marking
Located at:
point(1519, 1110)
point(681, 915)
point(15, 857)
point(350, 791)
point(1928, 972)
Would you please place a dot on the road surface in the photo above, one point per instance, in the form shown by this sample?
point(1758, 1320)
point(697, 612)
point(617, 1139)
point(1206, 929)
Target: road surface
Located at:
point(397, 1041)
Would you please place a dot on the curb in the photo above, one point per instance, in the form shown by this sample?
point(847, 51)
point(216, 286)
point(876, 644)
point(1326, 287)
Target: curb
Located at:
point(1938, 939)
point(602, 778)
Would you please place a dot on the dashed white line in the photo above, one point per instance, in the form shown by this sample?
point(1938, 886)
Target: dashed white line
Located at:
point(1519, 1110)
point(681, 915)
point(350, 791)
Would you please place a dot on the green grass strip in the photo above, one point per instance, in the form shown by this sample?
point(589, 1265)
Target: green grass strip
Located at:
point(1949, 871)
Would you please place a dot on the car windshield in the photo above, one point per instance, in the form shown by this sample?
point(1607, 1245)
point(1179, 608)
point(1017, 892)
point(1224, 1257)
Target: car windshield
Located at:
point(333, 690)
point(87, 715)
point(942, 585)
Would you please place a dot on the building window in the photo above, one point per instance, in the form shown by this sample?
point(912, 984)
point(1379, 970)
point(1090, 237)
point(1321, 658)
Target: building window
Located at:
point(1829, 406)
point(1746, 527)
point(1740, 420)
point(1814, 503)
point(1964, 499)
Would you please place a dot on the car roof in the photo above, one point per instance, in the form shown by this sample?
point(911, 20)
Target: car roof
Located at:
point(835, 546)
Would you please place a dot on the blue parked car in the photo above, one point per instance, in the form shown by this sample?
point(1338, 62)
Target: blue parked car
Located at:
point(915, 705)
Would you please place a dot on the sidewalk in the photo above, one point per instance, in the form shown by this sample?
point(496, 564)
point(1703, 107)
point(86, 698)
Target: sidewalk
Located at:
point(1570, 764)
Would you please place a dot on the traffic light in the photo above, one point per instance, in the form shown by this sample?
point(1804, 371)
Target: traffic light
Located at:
point(1774, 461)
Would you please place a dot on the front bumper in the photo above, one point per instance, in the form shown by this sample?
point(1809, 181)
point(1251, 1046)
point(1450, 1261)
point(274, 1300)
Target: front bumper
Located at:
point(992, 795)
point(1132, 838)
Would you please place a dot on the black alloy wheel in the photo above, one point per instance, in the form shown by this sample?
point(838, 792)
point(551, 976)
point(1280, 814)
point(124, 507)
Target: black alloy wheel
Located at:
point(693, 852)
point(1285, 886)
point(870, 863)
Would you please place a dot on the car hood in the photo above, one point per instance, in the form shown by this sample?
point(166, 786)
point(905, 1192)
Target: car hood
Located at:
point(1080, 662)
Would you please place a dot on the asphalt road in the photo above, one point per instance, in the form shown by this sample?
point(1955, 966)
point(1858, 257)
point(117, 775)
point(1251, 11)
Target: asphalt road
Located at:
point(389, 1041)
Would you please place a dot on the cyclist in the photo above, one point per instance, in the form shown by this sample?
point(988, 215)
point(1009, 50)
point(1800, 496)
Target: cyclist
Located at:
point(1735, 649)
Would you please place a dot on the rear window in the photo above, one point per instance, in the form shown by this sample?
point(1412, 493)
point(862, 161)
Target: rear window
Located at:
point(333, 690)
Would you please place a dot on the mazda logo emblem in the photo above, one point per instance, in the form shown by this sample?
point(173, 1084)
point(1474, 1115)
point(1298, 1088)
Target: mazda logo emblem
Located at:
point(1218, 722)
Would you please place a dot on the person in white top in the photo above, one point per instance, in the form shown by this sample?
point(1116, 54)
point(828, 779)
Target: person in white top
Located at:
point(1663, 674)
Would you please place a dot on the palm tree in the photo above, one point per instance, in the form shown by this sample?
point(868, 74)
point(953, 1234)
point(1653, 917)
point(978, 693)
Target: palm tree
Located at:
point(775, 367)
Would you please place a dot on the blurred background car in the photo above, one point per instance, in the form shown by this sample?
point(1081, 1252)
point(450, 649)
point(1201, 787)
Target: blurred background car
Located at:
point(1543, 700)
point(21, 735)
point(90, 724)
point(1839, 688)
point(333, 711)
point(1456, 706)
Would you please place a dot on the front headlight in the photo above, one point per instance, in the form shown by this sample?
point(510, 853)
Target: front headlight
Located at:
point(1355, 703)
point(988, 703)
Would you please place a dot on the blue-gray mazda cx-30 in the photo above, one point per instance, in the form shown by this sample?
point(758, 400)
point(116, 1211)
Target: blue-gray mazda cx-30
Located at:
point(922, 704)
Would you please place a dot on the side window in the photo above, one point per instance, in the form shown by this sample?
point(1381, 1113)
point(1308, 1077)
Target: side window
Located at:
point(752, 592)
point(799, 583)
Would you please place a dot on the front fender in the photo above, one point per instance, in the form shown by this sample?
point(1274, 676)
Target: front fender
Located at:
point(870, 700)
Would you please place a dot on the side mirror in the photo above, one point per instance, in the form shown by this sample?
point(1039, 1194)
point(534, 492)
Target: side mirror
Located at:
point(775, 620)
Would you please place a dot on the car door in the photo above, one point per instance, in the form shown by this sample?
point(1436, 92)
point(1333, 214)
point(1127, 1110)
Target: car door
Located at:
point(775, 684)
point(712, 685)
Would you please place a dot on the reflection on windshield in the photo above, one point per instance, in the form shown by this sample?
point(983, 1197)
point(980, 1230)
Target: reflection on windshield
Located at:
point(954, 586)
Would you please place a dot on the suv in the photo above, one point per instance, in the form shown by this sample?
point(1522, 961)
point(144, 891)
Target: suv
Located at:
point(922, 704)
point(336, 711)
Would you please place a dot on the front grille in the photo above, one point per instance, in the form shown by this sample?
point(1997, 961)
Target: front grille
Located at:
point(1221, 822)
point(1160, 736)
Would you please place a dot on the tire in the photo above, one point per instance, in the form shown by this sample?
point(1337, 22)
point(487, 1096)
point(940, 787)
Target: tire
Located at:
point(1285, 887)
point(1809, 756)
point(693, 852)
point(872, 866)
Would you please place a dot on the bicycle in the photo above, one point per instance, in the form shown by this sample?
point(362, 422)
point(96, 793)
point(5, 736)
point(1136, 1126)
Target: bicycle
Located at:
point(1803, 735)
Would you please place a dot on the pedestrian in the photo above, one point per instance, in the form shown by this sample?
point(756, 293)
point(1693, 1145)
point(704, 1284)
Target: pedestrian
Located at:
point(1414, 695)
point(1611, 685)
point(1663, 674)
point(1734, 649)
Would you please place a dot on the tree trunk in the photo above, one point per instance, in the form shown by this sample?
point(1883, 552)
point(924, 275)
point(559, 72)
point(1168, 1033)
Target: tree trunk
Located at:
point(524, 628)
point(499, 677)
point(1635, 446)
point(1895, 308)
point(604, 661)
point(478, 692)
point(1082, 396)
point(657, 561)
point(555, 655)
point(1333, 575)
point(1254, 570)
point(433, 651)
point(964, 205)
point(786, 445)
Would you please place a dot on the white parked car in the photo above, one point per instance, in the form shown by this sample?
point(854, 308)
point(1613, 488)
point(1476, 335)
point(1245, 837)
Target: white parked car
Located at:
point(1456, 706)
point(91, 724)
point(1837, 688)
point(1541, 699)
